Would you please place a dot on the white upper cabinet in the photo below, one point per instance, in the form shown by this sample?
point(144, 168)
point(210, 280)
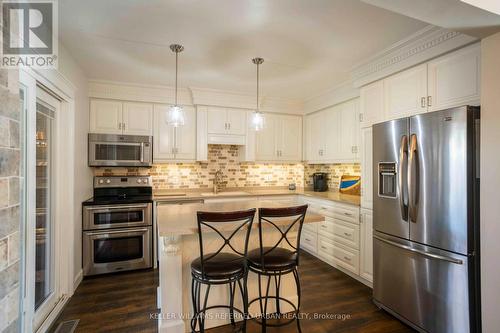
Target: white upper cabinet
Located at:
point(164, 135)
point(280, 140)
point(217, 121)
point(171, 143)
point(289, 138)
point(348, 149)
point(406, 93)
point(372, 103)
point(366, 233)
point(137, 118)
point(116, 117)
point(226, 121)
point(454, 79)
point(266, 148)
point(106, 116)
point(367, 168)
point(332, 135)
point(448, 81)
point(185, 136)
point(315, 136)
point(236, 121)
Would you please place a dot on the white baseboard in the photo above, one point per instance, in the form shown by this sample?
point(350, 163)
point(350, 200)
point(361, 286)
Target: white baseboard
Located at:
point(78, 279)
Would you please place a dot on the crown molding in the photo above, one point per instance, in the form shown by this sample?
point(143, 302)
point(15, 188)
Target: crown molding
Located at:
point(422, 46)
point(138, 92)
point(336, 95)
point(189, 96)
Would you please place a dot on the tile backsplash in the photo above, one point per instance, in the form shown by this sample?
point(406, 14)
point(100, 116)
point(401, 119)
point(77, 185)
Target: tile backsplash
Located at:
point(335, 171)
point(235, 173)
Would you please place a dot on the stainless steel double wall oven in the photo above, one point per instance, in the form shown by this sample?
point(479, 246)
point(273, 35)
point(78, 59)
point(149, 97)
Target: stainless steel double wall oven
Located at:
point(117, 225)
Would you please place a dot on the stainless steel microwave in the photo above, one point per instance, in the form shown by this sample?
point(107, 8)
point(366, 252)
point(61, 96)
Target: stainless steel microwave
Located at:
point(120, 150)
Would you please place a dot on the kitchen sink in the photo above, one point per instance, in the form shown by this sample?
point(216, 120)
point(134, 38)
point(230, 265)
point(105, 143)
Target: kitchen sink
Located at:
point(222, 194)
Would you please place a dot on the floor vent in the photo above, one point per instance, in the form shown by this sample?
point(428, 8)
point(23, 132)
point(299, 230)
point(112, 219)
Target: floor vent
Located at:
point(67, 326)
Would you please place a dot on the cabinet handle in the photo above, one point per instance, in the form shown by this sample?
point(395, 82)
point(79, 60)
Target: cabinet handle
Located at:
point(120, 126)
point(123, 126)
point(422, 102)
point(225, 126)
point(323, 247)
point(324, 226)
point(307, 239)
point(347, 234)
point(360, 117)
point(229, 126)
point(429, 100)
point(347, 214)
point(347, 258)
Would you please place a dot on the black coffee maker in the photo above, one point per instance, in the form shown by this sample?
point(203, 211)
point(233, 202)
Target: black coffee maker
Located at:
point(320, 181)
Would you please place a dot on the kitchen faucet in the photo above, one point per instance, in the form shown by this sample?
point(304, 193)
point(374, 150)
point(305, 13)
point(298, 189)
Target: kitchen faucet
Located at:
point(217, 180)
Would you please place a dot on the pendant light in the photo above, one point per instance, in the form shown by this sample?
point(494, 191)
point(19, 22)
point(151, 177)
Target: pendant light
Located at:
point(175, 114)
point(257, 117)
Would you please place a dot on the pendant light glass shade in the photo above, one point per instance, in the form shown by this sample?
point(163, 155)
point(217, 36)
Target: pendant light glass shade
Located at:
point(175, 113)
point(258, 119)
point(175, 116)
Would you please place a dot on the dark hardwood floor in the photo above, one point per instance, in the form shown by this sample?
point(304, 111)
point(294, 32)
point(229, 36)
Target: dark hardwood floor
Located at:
point(123, 303)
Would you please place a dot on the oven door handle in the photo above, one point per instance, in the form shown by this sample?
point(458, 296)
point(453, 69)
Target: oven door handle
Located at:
point(114, 232)
point(114, 208)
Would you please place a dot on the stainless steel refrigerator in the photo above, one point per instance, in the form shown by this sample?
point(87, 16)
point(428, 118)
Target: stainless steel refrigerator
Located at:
point(426, 220)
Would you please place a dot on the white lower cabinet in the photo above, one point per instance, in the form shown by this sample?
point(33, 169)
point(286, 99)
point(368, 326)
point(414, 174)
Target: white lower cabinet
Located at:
point(339, 240)
point(366, 268)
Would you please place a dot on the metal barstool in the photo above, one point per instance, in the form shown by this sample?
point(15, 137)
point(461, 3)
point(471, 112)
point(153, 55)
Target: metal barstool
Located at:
point(274, 261)
point(218, 267)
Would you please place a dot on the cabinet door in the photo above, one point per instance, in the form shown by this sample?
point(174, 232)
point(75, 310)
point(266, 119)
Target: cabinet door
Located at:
point(349, 131)
point(236, 120)
point(163, 138)
point(367, 168)
point(266, 148)
point(372, 103)
point(105, 116)
point(289, 139)
point(366, 230)
point(406, 93)
point(454, 79)
point(331, 134)
point(137, 118)
point(217, 121)
point(315, 140)
point(185, 136)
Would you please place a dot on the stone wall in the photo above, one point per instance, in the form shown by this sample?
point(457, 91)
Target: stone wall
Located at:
point(10, 207)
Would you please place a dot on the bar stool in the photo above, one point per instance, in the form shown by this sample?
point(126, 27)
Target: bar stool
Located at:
point(275, 261)
point(218, 267)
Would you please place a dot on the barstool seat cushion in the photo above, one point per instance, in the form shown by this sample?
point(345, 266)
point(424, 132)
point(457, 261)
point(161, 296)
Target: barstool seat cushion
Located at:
point(277, 259)
point(221, 266)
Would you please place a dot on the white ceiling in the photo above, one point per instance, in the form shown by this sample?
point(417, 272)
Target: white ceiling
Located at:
point(309, 46)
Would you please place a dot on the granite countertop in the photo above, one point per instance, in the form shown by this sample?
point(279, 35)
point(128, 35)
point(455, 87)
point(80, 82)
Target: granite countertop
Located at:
point(196, 194)
point(168, 216)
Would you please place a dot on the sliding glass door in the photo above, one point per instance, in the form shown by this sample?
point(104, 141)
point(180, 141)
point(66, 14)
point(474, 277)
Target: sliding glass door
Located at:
point(46, 291)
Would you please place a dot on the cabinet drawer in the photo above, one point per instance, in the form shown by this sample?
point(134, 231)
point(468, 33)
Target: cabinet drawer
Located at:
point(311, 227)
point(346, 233)
point(347, 214)
point(338, 254)
point(309, 241)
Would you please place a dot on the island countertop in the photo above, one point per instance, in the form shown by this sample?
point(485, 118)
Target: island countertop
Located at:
point(168, 195)
point(181, 219)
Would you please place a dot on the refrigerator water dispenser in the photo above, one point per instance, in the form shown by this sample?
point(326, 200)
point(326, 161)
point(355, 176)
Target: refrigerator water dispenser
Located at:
point(387, 179)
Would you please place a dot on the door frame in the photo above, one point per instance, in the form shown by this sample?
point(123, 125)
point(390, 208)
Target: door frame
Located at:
point(64, 91)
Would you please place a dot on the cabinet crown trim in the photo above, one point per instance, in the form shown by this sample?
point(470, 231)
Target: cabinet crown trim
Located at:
point(422, 46)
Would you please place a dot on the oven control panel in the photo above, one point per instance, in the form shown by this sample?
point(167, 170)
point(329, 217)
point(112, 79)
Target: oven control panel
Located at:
point(127, 181)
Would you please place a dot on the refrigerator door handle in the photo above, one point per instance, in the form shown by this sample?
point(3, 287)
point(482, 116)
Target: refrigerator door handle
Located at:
point(403, 177)
point(413, 180)
point(423, 253)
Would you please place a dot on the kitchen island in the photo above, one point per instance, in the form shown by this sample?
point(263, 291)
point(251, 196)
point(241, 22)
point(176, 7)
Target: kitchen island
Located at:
point(178, 246)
